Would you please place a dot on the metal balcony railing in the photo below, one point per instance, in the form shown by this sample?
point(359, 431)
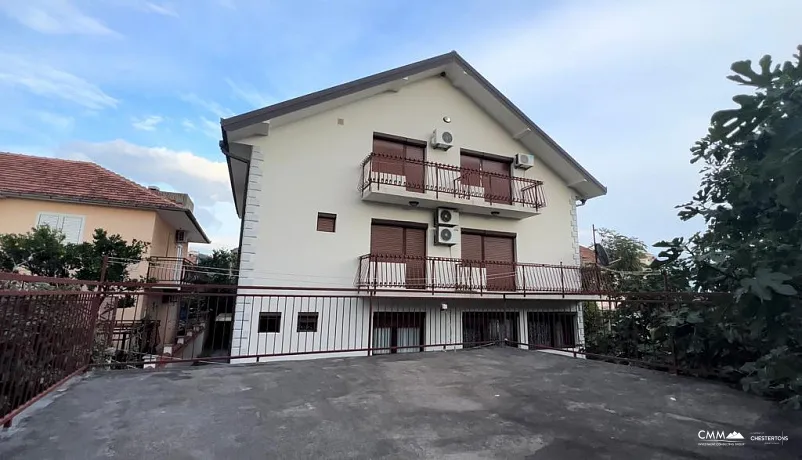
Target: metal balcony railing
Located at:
point(453, 181)
point(378, 271)
point(172, 270)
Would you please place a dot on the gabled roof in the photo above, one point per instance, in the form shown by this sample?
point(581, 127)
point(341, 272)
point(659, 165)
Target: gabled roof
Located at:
point(71, 181)
point(462, 76)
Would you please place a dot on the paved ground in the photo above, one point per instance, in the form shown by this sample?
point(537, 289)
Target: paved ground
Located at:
point(479, 404)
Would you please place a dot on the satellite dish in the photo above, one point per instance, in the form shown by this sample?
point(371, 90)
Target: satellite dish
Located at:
point(602, 258)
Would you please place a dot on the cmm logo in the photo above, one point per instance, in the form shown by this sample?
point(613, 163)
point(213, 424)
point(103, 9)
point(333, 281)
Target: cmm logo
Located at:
point(715, 437)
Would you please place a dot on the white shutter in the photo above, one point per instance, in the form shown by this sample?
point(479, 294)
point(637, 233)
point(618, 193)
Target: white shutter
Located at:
point(51, 220)
point(72, 227)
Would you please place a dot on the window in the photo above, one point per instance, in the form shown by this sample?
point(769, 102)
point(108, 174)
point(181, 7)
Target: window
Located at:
point(396, 329)
point(491, 174)
point(495, 253)
point(70, 226)
point(553, 330)
point(396, 244)
point(399, 158)
point(269, 322)
point(307, 322)
point(326, 222)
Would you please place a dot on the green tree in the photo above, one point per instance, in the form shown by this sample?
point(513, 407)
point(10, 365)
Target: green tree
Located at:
point(220, 267)
point(750, 200)
point(87, 257)
point(41, 251)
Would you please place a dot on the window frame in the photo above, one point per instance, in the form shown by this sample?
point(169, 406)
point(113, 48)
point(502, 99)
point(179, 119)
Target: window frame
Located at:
point(266, 316)
point(306, 317)
point(323, 216)
point(61, 217)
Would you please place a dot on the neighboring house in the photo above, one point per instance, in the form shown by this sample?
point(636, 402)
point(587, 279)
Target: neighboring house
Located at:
point(77, 197)
point(421, 177)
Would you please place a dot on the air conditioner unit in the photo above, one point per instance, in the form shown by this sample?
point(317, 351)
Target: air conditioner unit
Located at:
point(524, 160)
point(180, 236)
point(447, 236)
point(442, 139)
point(446, 217)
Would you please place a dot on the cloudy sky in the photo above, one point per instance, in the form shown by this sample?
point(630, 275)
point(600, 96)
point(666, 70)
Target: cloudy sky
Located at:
point(139, 86)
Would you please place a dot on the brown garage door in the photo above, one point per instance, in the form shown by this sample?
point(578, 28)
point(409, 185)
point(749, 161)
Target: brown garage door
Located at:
point(496, 254)
point(397, 244)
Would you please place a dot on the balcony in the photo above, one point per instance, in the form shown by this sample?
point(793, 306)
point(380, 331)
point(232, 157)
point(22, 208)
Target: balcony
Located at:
point(445, 274)
point(403, 181)
point(172, 270)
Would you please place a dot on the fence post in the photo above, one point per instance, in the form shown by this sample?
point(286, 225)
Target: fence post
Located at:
point(562, 280)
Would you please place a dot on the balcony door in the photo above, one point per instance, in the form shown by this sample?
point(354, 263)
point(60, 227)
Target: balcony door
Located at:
point(395, 158)
point(495, 254)
point(399, 255)
point(491, 174)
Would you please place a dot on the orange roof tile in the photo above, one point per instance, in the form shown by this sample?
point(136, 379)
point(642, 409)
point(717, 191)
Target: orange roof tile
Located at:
point(69, 180)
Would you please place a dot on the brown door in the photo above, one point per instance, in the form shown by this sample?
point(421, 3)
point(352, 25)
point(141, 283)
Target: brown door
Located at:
point(499, 256)
point(497, 183)
point(393, 244)
point(399, 159)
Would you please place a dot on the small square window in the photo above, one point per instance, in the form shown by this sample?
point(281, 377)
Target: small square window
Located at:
point(269, 322)
point(307, 322)
point(326, 222)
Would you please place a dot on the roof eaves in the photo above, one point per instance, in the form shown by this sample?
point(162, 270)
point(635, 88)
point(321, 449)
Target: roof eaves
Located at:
point(309, 100)
point(530, 124)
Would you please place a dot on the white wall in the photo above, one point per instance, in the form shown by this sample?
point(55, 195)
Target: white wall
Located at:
point(313, 165)
point(344, 323)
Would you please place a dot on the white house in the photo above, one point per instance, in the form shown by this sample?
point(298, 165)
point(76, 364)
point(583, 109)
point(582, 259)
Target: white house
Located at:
point(424, 188)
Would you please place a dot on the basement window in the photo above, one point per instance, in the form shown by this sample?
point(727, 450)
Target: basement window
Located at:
point(326, 222)
point(307, 322)
point(269, 322)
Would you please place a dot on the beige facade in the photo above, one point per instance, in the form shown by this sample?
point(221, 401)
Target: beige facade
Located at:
point(316, 162)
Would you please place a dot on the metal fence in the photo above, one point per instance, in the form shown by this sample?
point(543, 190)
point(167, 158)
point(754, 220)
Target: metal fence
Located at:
point(48, 335)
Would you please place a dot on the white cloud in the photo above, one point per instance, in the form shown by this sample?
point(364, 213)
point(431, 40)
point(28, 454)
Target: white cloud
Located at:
point(206, 181)
point(147, 123)
point(250, 95)
point(160, 9)
point(188, 125)
point(56, 121)
point(53, 17)
point(43, 80)
point(211, 106)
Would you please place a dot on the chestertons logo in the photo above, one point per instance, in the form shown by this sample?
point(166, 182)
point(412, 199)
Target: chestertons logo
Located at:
point(720, 438)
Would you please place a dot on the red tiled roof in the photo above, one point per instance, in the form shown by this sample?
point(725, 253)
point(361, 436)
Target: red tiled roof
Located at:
point(69, 180)
point(587, 255)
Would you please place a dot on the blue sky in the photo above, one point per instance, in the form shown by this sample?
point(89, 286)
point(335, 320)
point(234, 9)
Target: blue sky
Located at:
point(139, 86)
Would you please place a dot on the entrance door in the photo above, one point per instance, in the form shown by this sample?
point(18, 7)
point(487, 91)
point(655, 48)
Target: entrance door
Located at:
point(400, 159)
point(179, 262)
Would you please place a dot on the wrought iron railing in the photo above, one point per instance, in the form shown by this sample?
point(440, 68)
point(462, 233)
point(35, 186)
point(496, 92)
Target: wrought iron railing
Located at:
point(174, 270)
point(440, 273)
point(443, 180)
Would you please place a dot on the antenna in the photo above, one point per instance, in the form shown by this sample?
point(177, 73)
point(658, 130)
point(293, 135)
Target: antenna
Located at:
point(602, 258)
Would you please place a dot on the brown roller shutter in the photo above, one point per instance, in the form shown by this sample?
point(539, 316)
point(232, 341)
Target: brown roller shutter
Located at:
point(415, 251)
point(471, 247)
point(414, 168)
point(326, 222)
point(390, 159)
point(500, 262)
point(386, 240)
point(498, 185)
point(470, 174)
